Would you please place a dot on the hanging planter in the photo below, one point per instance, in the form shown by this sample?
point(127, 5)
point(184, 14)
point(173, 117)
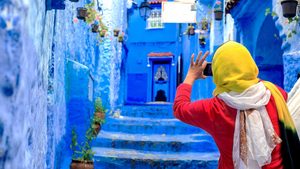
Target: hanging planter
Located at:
point(218, 10)
point(121, 38)
point(116, 32)
point(289, 8)
point(190, 30)
point(204, 24)
point(218, 15)
point(202, 41)
point(82, 13)
point(102, 33)
point(95, 28)
point(77, 164)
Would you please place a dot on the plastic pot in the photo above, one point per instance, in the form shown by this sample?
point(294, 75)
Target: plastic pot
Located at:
point(116, 33)
point(76, 164)
point(289, 8)
point(82, 13)
point(218, 15)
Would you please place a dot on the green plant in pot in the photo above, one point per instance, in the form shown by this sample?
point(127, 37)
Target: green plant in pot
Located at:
point(190, 30)
point(99, 116)
point(103, 29)
point(82, 157)
point(121, 37)
point(289, 8)
point(204, 24)
point(218, 11)
point(202, 41)
point(81, 13)
point(116, 32)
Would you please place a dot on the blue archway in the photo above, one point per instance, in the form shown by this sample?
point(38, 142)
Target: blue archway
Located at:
point(268, 52)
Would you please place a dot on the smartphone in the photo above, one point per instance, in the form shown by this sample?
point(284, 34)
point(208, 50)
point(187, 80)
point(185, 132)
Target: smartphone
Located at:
point(207, 71)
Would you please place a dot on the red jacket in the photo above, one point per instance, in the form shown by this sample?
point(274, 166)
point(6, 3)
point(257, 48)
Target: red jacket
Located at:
point(218, 119)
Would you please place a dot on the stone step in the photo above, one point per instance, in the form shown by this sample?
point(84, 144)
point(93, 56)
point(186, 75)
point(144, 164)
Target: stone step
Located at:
point(124, 158)
point(148, 125)
point(148, 110)
point(156, 142)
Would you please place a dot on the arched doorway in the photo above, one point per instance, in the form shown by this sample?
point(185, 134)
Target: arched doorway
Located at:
point(268, 52)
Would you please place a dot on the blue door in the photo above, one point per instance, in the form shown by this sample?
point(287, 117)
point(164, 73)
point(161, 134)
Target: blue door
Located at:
point(161, 81)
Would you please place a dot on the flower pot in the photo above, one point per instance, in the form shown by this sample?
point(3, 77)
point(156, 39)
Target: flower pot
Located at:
point(82, 13)
point(289, 8)
point(95, 28)
point(191, 31)
point(100, 115)
point(116, 33)
point(102, 34)
point(96, 128)
point(120, 39)
point(76, 164)
point(204, 26)
point(202, 41)
point(74, 0)
point(218, 15)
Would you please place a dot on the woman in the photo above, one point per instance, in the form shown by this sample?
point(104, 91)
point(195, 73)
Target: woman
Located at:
point(247, 118)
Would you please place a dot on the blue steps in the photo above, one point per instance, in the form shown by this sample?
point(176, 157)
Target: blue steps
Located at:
point(148, 136)
point(156, 142)
point(110, 158)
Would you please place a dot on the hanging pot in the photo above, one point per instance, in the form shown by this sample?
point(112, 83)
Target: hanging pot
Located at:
point(202, 41)
point(218, 15)
point(82, 13)
point(289, 8)
point(191, 31)
point(95, 28)
point(77, 164)
point(120, 39)
point(116, 32)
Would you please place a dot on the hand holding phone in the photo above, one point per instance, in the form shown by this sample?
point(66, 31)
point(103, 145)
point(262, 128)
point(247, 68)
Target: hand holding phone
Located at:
point(208, 71)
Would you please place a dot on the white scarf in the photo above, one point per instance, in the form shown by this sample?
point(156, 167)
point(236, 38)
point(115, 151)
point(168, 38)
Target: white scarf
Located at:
point(261, 138)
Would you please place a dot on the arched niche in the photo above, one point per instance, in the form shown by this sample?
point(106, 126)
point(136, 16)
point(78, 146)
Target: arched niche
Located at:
point(268, 52)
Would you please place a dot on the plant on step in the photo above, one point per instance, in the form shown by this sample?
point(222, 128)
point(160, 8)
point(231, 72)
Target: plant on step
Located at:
point(292, 22)
point(218, 10)
point(82, 157)
point(99, 116)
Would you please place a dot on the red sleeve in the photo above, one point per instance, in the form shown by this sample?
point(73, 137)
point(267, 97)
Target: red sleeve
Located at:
point(197, 113)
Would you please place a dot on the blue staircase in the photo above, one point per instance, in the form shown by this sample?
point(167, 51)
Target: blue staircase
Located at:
point(148, 136)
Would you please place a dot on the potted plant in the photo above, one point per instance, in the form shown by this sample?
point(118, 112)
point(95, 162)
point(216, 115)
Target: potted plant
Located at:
point(116, 32)
point(99, 116)
point(81, 13)
point(103, 29)
point(95, 28)
point(218, 10)
point(82, 157)
point(121, 37)
point(289, 8)
point(204, 24)
point(202, 40)
point(102, 33)
point(190, 30)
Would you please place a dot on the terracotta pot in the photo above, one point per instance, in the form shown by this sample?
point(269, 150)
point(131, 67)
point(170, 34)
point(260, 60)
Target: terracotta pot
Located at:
point(116, 33)
point(218, 15)
point(95, 28)
point(96, 128)
point(76, 164)
point(289, 8)
point(81, 13)
point(100, 115)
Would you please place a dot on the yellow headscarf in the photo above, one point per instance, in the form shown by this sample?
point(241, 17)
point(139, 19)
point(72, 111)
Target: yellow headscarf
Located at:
point(235, 70)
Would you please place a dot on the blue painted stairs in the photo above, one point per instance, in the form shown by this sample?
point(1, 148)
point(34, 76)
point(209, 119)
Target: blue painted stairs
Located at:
point(148, 136)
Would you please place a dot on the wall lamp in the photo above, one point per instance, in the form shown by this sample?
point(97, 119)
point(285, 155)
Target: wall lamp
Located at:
point(145, 9)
